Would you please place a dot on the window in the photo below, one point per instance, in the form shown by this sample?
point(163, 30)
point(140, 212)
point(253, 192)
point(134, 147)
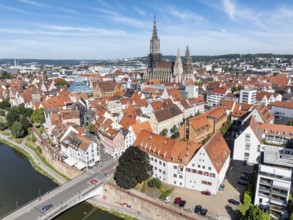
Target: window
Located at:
point(163, 172)
point(247, 146)
point(175, 175)
point(180, 176)
point(180, 184)
point(198, 166)
point(175, 167)
point(174, 182)
point(199, 172)
point(193, 164)
point(155, 168)
point(152, 159)
point(156, 160)
point(160, 170)
point(203, 167)
point(160, 162)
point(193, 171)
point(210, 168)
point(247, 137)
point(187, 169)
point(181, 169)
point(246, 156)
point(206, 174)
point(206, 182)
point(164, 164)
point(212, 175)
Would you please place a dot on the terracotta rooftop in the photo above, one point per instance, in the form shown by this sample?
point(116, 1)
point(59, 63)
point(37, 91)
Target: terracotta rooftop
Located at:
point(180, 152)
point(167, 113)
point(282, 104)
point(217, 150)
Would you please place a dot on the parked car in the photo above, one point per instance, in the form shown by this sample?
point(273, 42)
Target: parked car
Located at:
point(168, 199)
point(244, 177)
point(204, 212)
point(182, 203)
point(243, 182)
point(234, 202)
point(198, 209)
point(177, 200)
point(206, 192)
point(47, 207)
point(246, 172)
point(222, 187)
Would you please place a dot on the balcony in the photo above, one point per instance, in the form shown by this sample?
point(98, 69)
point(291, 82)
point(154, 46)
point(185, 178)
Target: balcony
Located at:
point(266, 183)
point(276, 208)
point(282, 193)
point(271, 175)
point(265, 189)
point(278, 201)
point(267, 195)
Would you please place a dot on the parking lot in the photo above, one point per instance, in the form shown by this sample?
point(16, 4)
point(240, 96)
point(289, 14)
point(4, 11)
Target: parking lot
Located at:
point(217, 205)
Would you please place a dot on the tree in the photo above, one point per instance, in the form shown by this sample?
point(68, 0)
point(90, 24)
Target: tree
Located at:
point(92, 128)
point(164, 132)
point(155, 182)
point(290, 123)
point(61, 83)
point(133, 168)
point(5, 104)
point(253, 213)
point(38, 116)
point(11, 117)
point(3, 126)
point(24, 123)
point(17, 130)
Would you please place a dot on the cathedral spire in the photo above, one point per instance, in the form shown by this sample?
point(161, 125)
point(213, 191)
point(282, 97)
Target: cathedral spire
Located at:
point(188, 65)
point(178, 68)
point(155, 33)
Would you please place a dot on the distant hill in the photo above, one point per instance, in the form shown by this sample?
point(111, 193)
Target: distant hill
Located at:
point(65, 62)
point(45, 62)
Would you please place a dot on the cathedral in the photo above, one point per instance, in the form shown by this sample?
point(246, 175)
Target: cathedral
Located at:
point(167, 71)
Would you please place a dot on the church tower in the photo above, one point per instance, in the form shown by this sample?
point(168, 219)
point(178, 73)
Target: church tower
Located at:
point(154, 56)
point(178, 68)
point(188, 70)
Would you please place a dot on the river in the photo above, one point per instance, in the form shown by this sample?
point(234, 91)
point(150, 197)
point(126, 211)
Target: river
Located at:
point(20, 183)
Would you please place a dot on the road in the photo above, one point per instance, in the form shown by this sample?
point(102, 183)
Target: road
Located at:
point(61, 194)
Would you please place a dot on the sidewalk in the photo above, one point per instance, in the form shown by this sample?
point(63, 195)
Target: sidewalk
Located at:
point(36, 159)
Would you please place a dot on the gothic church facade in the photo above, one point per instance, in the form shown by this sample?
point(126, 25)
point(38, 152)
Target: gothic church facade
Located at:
point(167, 71)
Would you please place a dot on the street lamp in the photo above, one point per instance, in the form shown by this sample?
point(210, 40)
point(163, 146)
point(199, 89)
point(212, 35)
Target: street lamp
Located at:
point(39, 193)
point(16, 205)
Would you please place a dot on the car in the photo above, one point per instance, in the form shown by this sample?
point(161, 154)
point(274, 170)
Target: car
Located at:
point(244, 177)
point(168, 199)
point(198, 209)
point(243, 182)
point(246, 172)
point(206, 192)
point(177, 200)
point(204, 212)
point(234, 202)
point(222, 187)
point(182, 203)
point(47, 207)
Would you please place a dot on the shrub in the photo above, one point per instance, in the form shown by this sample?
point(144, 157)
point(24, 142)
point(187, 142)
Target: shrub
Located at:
point(34, 139)
point(2, 113)
point(166, 194)
point(247, 198)
point(3, 126)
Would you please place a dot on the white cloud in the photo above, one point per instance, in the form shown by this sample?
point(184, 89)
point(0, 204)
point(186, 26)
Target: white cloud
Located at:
point(229, 8)
point(139, 11)
point(13, 9)
point(37, 4)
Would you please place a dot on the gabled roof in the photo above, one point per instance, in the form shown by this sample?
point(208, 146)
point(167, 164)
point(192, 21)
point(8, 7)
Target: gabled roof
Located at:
point(139, 126)
point(217, 150)
point(227, 104)
point(264, 113)
point(280, 104)
point(220, 91)
point(167, 149)
point(175, 93)
point(127, 121)
point(279, 81)
point(167, 113)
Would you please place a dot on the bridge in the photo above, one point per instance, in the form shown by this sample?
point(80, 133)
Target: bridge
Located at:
point(85, 186)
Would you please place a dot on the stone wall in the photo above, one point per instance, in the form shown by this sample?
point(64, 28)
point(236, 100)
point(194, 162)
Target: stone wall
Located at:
point(149, 207)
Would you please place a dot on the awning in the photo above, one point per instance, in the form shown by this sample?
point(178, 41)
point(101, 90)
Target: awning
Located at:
point(79, 165)
point(70, 161)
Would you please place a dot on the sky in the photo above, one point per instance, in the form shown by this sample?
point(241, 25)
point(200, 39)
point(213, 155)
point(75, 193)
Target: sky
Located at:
point(111, 29)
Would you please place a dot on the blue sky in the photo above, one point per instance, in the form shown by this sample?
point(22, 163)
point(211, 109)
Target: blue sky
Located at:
point(106, 29)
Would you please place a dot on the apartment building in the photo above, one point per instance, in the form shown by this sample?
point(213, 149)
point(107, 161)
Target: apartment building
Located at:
point(283, 111)
point(247, 96)
point(216, 96)
point(186, 163)
point(274, 180)
point(255, 136)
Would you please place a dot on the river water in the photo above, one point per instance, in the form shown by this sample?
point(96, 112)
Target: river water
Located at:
point(21, 183)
